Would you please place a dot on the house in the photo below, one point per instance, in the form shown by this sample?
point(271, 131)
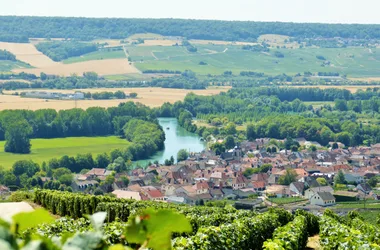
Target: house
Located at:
point(279, 191)
point(244, 193)
point(123, 194)
point(297, 187)
point(312, 191)
point(310, 182)
point(216, 193)
point(257, 185)
point(322, 199)
point(100, 173)
point(78, 185)
point(364, 188)
point(239, 182)
point(152, 193)
point(201, 187)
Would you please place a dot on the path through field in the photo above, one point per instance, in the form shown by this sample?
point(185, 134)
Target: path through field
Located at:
point(130, 63)
point(8, 209)
point(28, 53)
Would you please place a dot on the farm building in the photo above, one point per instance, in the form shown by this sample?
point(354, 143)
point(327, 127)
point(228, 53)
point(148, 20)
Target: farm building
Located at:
point(53, 95)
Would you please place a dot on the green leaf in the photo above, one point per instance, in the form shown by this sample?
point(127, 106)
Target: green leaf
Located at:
point(97, 220)
point(154, 228)
point(5, 245)
point(136, 231)
point(23, 221)
point(84, 241)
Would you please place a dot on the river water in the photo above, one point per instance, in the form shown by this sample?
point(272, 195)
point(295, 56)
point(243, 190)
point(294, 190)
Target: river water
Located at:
point(176, 138)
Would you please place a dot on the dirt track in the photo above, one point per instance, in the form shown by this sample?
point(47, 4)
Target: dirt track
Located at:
point(8, 209)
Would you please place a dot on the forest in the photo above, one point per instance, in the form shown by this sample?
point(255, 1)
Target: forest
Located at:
point(18, 29)
point(59, 51)
point(281, 113)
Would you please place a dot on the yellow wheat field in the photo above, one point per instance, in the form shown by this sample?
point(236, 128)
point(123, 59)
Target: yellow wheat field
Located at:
point(102, 67)
point(28, 53)
point(153, 97)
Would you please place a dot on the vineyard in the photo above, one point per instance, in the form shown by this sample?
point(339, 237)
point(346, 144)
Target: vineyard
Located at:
point(133, 224)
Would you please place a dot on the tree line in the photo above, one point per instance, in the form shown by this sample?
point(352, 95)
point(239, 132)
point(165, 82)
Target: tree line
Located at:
point(96, 121)
point(186, 80)
point(18, 29)
point(276, 118)
point(6, 55)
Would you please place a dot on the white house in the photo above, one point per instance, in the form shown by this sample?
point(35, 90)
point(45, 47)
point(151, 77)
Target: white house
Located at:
point(312, 191)
point(322, 199)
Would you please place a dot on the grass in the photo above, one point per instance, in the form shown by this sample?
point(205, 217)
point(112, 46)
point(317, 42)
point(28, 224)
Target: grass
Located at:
point(354, 62)
point(46, 149)
point(319, 104)
point(97, 55)
point(283, 201)
point(370, 216)
point(359, 204)
point(128, 77)
point(7, 66)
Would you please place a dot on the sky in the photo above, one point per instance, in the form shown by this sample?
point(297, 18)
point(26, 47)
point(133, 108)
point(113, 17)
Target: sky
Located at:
point(324, 11)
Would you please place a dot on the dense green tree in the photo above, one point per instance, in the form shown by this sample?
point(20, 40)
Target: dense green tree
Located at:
point(250, 132)
point(218, 148)
point(230, 129)
point(289, 177)
point(102, 160)
point(27, 167)
point(229, 142)
point(10, 179)
point(341, 105)
point(17, 136)
point(373, 181)
point(339, 178)
point(322, 181)
point(182, 155)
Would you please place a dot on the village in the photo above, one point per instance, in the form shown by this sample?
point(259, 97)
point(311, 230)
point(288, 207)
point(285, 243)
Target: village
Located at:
point(250, 176)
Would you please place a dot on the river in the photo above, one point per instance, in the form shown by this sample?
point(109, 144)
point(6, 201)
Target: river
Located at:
point(176, 138)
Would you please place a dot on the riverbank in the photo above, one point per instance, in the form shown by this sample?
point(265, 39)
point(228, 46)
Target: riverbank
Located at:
point(176, 138)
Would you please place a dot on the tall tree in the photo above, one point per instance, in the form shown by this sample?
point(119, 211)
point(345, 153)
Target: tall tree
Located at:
point(17, 136)
point(182, 155)
point(339, 178)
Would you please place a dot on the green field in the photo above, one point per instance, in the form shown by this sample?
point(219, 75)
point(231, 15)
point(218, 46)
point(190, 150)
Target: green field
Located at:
point(7, 66)
point(359, 204)
point(46, 149)
point(97, 55)
point(354, 62)
point(128, 77)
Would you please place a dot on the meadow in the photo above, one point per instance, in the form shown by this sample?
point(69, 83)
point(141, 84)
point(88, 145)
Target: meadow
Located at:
point(46, 149)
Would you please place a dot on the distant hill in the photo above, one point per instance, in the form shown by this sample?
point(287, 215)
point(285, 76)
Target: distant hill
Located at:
point(19, 29)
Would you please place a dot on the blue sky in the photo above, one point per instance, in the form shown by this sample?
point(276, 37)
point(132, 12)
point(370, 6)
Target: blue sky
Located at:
point(327, 11)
